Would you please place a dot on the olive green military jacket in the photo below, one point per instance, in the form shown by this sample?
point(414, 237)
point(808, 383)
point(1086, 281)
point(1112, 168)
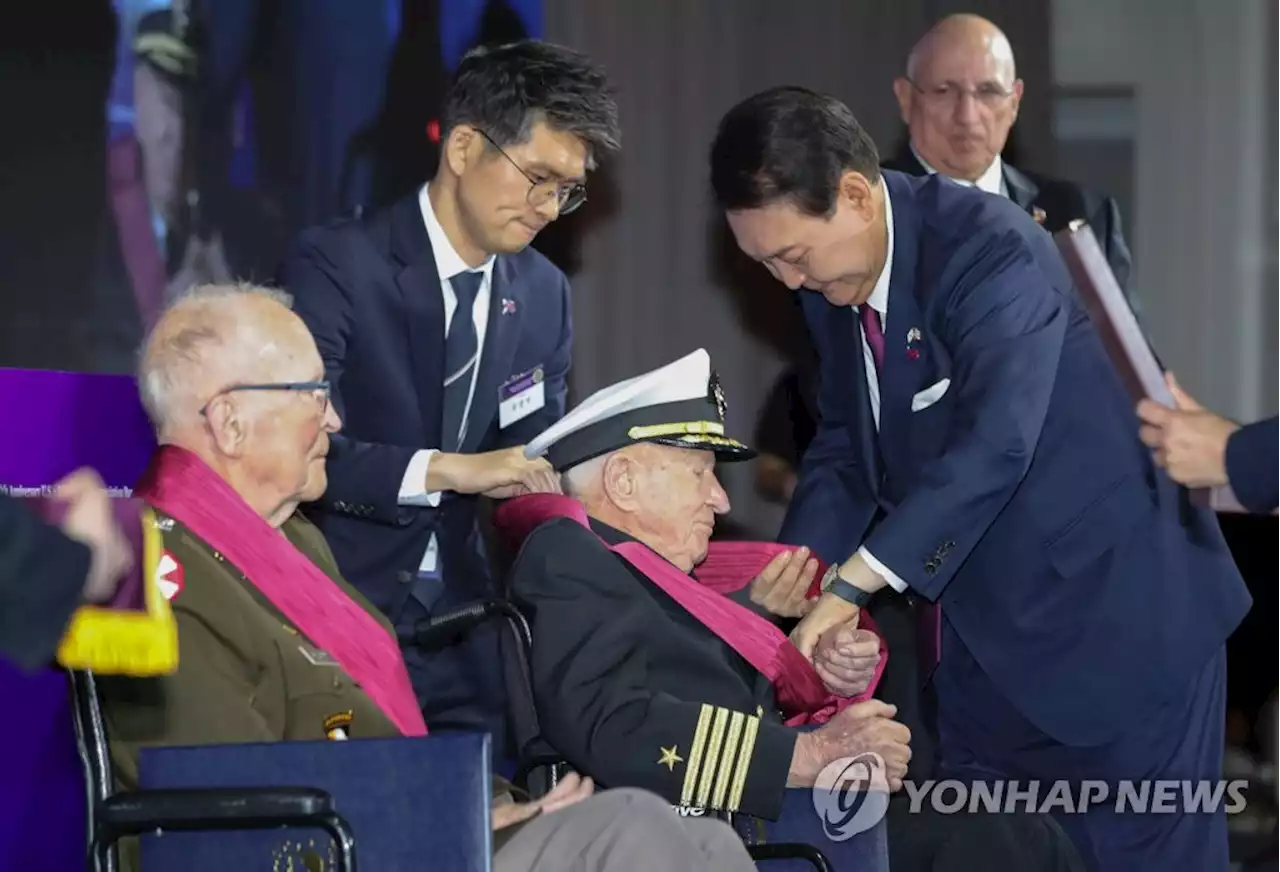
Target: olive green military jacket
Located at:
point(245, 674)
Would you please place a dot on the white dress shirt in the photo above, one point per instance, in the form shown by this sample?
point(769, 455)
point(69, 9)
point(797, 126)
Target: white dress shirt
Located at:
point(879, 300)
point(991, 180)
point(413, 490)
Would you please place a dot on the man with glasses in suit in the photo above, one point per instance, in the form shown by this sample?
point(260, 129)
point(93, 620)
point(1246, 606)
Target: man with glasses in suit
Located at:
point(959, 100)
point(446, 339)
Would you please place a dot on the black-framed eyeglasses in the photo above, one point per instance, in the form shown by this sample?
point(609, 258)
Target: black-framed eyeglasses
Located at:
point(989, 94)
point(320, 389)
point(569, 196)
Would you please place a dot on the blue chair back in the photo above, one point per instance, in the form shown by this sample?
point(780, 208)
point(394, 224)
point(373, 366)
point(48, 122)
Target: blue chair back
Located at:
point(413, 803)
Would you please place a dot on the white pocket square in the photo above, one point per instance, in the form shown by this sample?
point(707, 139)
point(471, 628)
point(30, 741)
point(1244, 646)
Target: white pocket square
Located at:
point(930, 395)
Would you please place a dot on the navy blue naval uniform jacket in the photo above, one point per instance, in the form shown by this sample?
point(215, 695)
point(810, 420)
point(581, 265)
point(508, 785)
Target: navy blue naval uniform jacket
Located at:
point(1074, 571)
point(369, 290)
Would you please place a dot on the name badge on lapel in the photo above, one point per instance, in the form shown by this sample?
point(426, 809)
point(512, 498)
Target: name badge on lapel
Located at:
point(521, 396)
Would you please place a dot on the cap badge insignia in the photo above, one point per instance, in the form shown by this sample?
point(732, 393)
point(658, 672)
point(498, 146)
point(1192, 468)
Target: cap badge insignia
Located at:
point(717, 395)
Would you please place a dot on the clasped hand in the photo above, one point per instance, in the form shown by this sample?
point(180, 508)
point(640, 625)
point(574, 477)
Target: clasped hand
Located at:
point(846, 658)
point(498, 474)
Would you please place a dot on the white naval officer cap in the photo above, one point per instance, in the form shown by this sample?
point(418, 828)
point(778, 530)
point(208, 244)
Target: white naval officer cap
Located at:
point(681, 404)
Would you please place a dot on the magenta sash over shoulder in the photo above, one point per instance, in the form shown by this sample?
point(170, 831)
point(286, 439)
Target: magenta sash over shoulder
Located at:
point(181, 485)
point(729, 566)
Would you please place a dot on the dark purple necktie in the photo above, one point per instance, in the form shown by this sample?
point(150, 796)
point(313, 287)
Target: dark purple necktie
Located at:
point(871, 329)
point(928, 616)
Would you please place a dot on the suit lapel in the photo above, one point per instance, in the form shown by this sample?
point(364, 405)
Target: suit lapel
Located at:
point(419, 284)
point(506, 312)
point(1022, 190)
point(906, 365)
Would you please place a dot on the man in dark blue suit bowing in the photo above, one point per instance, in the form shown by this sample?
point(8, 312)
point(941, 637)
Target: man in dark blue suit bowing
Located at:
point(978, 453)
point(447, 342)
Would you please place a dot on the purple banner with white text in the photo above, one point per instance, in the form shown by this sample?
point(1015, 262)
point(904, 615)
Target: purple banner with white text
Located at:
point(52, 423)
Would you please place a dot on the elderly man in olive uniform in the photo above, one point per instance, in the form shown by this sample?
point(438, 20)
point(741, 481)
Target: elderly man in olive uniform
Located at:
point(275, 646)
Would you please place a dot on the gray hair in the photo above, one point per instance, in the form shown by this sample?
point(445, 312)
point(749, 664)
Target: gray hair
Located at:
point(182, 351)
point(579, 481)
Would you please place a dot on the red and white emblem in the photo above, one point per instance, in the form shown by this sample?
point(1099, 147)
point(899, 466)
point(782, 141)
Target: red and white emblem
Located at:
point(170, 577)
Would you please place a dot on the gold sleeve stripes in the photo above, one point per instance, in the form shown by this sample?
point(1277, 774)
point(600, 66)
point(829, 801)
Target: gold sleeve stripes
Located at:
point(719, 759)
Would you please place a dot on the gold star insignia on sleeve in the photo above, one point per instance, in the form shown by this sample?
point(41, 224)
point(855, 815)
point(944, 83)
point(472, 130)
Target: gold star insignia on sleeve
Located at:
point(670, 757)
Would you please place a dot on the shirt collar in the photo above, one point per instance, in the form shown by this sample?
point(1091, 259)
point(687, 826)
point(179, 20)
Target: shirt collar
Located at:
point(991, 180)
point(879, 299)
point(448, 262)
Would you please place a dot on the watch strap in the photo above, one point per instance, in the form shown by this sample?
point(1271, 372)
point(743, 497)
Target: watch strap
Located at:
point(850, 594)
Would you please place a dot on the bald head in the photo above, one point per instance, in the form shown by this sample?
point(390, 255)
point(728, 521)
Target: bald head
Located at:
point(960, 95)
point(210, 338)
point(970, 36)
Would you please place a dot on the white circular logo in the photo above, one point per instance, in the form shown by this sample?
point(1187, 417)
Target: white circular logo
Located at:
point(851, 795)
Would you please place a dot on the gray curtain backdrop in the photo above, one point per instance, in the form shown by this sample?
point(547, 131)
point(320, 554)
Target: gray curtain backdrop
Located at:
point(656, 275)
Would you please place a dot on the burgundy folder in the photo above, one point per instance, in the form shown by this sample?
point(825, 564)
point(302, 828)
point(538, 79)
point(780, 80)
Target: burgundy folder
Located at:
point(1121, 336)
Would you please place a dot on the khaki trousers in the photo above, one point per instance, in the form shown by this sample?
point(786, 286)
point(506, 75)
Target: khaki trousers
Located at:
point(623, 830)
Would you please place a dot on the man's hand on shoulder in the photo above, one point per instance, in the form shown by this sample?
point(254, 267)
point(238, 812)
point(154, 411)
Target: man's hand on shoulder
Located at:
point(498, 474)
point(783, 585)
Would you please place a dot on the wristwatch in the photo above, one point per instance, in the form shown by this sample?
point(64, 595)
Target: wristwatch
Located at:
point(833, 583)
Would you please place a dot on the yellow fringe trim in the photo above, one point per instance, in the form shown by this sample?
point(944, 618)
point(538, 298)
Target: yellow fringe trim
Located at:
point(127, 642)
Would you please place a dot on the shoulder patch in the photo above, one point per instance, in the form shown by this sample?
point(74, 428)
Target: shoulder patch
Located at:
point(170, 576)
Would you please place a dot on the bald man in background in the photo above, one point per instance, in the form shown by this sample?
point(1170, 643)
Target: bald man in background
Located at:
point(959, 100)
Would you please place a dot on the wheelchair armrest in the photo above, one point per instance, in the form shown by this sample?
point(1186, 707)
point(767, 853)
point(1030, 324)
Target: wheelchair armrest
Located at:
point(214, 808)
point(791, 851)
point(204, 809)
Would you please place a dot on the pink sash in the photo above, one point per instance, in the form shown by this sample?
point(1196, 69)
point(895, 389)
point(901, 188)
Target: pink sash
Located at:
point(181, 485)
point(729, 566)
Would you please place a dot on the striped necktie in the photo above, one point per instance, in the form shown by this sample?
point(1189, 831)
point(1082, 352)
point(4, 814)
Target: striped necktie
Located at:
point(461, 351)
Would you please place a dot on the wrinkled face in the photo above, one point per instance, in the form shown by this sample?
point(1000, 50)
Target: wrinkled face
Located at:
point(962, 105)
point(507, 195)
point(278, 435)
point(673, 501)
point(839, 256)
point(158, 126)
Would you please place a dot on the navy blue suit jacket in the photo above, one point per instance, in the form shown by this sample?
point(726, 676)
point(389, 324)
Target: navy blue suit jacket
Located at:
point(369, 290)
point(1077, 574)
point(1253, 465)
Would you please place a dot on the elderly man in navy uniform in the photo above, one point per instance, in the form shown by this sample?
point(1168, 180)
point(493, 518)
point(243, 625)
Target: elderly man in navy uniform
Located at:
point(653, 667)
